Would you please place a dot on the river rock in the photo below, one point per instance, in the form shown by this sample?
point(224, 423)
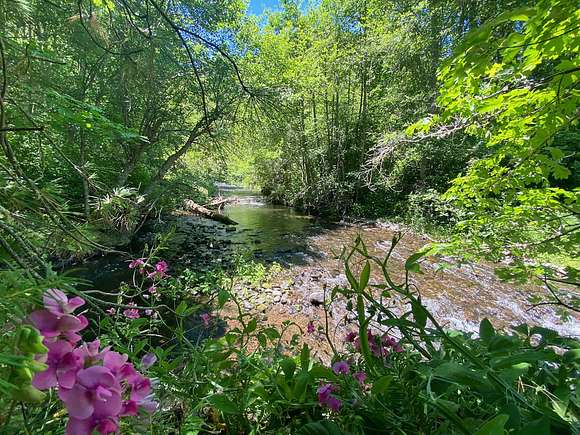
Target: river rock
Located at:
point(317, 298)
point(276, 293)
point(277, 299)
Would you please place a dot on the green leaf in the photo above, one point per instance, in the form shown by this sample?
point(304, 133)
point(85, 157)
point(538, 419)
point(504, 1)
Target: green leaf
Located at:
point(322, 427)
point(288, 366)
point(412, 264)
point(305, 357)
point(486, 330)
point(523, 357)
point(262, 339)
point(572, 356)
point(181, 308)
point(321, 372)
point(223, 403)
point(459, 374)
point(381, 384)
point(223, 297)
point(301, 383)
point(251, 326)
point(364, 276)
point(350, 277)
point(512, 373)
point(419, 313)
point(502, 343)
point(271, 333)
point(495, 426)
point(536, 427)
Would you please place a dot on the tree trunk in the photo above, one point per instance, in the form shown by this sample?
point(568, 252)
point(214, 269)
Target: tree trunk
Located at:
point(200, 127)
point(207, 213)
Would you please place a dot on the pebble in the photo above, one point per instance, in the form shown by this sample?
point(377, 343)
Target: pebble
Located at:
point(317, 298)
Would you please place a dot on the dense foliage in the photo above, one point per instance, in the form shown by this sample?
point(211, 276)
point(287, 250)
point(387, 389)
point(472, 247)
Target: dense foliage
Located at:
point(404, 374)
point(350, 76)
point(516, 90)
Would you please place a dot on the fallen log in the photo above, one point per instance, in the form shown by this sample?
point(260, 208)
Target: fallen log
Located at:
point(207, 213)
point(219, 202)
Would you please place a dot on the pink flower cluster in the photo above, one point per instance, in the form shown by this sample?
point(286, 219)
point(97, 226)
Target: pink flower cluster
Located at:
point(97, 386)
point(206, 318)
point(159, 270)
point(380, 346)
point(324, 391)
point(325, 397)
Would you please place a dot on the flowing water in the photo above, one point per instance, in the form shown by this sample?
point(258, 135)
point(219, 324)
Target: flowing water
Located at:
point(305, 247)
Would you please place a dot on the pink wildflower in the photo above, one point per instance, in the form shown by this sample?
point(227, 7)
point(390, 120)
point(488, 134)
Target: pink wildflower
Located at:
point(153, 290)
point(310, 327)
point(148, 312)
point(137, 263)
point(148, 360)
point(340, 368)
point(160, 270)
point(91, 382)
point(63, 366)
point(326, 399)
point(90, 354)
point(333, 403)
point(56, 319)
point(161, 267)
point(360, 377)
point(131, 313)
point(392, 343)
point(57, 303)
point(350, 337)
point(206, 317)
point(111, 311)
point(324, 391)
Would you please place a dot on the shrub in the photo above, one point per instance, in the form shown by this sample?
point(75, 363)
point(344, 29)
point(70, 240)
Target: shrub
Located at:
point(392, 374)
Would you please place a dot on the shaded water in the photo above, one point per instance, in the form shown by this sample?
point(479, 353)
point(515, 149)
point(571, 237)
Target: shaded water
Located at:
point(460, 297)
point(272, 232)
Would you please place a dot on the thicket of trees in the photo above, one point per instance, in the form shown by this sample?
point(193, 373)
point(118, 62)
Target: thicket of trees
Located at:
point(381, 107)
point(350, 76)
point(103, 104)
point(111, 109)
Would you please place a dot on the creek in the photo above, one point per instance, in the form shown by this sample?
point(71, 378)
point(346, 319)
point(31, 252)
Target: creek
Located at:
point(305, 248)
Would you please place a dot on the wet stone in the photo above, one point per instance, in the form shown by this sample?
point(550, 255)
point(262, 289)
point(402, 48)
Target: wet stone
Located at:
point(317, 298)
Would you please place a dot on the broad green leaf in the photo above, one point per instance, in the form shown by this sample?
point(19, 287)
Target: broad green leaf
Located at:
point(223, 403)
point(381, 384)
point(251, 326)
point(486, 330)
point(459, 374)
point(288, 366)
point(305, 357)
point(322, 427)
point(495, 426)
point(419, 313)
point(364, 276)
